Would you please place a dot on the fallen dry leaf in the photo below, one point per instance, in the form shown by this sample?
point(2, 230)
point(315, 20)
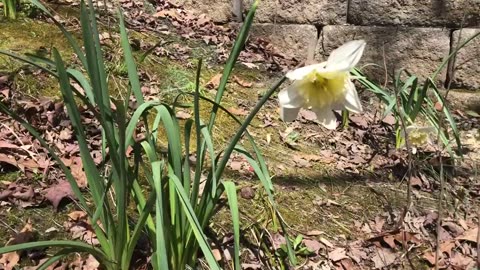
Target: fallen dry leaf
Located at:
point(312, 245)
point(307, 115)
point(214, 81)
point(300, 162)
point(183, 115)
point(314, 233)
point(278, 240)
point(77, 215)
point(51, 267)
point(238, 111)
point(326, 242)
point(389, 120)
point(217, 254)
point(251, 266)
point(337, 254)
point(76, 168)
point(91, 263)
point(461, 261)
point(429, 257)
point(383, 258)
point(10, 260)
point(347, 264)
point(455, 229)
point(24, 193)
point(55, 194)
point(470, 235)
point(359, 120)
point(390, 240)
point(242, 82)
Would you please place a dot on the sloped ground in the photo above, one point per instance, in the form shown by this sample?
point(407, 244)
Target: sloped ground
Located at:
point(344, 191)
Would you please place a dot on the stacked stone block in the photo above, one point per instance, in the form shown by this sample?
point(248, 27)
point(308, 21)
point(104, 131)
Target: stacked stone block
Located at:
point(416, 35)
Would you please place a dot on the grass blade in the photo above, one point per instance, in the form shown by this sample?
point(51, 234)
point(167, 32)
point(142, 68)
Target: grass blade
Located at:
point(231, 192)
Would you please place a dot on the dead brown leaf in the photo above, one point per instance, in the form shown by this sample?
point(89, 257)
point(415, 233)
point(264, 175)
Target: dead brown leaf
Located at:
point(167, 13)
point(251, 266)
point(76, 168)
point(359, 120)
point(214, 81)
point(383, 258)
point(56, 193)
point(470, 235)
point(217, 254)
point(389, 120)
point(356, 253)
point(312, 245)
point(24, 193)
point(307, 115)
point(183, 115)
point(278, 240)
point(326, 242)
point(77, 215)
point(347, 264)
point(314, 233)
point(461, 261)
point(91, 263)
point(390, 240)
point(11, 259)
point(238, 111)
point(300, 162)
point(455, 229)
point(242, 83)
point(337, 254)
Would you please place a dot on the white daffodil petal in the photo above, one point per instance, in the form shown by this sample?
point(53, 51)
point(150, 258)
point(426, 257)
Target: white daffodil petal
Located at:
point(290, 96)
point(300, 73)
point(427, 129)
point(326, 117)
point(288, 114)
point(352, 101)
point(418, 136)
point(346, 56)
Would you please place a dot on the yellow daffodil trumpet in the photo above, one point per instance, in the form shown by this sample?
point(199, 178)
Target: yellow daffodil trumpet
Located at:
point(324, 87)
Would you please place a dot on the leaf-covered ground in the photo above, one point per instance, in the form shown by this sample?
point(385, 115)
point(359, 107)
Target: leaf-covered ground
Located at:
point(342, 193)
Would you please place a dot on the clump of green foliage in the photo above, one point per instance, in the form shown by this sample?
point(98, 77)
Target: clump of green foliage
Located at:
point(10, 8)
point(179, 205)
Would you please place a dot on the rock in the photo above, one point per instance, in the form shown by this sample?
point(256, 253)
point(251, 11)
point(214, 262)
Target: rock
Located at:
point(466, 66)
point(420, 51)
point(319, 12)
point(247, 193)
point(464, 100)
point(220, 11)
point(439, 13)
point(291, 40)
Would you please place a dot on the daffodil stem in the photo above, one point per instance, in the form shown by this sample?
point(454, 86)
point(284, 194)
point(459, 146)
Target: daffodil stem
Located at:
point(345, 121)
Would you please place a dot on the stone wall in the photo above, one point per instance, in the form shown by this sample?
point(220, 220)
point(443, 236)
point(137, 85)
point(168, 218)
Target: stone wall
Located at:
point(412, 34)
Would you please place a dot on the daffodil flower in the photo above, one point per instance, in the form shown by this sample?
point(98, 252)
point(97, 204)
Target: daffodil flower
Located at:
point(417, 136)
point(324, 87)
